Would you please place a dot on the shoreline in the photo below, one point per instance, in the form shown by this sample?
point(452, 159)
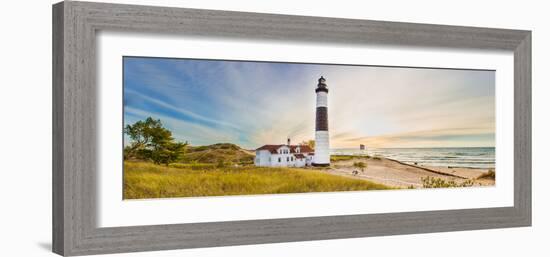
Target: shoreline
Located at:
point(395, 173)
point(431, 169)
point(404, 163)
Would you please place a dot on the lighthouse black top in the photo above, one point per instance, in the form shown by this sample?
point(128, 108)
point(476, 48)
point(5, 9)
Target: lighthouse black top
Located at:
point(321, 116)
point(321, 86)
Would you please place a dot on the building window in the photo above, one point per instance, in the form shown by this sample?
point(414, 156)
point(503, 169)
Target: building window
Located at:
point(279, 159)
point(292, 158)
point(287, 159)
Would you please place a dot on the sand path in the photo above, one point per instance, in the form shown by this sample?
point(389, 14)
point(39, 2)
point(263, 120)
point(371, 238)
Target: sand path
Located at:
point(396, 174)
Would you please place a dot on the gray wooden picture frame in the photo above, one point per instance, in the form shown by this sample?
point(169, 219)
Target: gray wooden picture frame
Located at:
point(75, 25)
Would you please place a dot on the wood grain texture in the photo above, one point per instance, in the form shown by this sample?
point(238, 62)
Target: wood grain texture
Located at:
point(58, 230)
point(74, 124)
point(522, 128)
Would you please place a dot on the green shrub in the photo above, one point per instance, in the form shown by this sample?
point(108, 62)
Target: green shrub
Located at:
point(222, 164)
point(360, 165)
point(490, 174)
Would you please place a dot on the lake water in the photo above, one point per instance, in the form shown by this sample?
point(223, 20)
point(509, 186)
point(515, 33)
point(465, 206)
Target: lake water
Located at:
point(473, 157)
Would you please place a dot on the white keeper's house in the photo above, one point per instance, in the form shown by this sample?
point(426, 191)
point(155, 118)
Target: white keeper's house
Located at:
point(284, 155)
point(301, 155)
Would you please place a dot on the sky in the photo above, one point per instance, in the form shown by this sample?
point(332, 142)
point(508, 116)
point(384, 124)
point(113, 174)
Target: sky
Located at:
point(256, 103)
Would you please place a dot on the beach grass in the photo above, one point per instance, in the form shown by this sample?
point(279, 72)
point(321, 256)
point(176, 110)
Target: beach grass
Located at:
point(433, 182)
point(144, 180)
point(490, 174)
point(336, 158)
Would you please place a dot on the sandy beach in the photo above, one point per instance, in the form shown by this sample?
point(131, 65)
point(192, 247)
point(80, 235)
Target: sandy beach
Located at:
point(401, 175)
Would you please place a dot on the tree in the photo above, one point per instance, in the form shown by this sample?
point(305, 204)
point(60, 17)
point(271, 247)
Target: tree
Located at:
point(360, 165)
point(151, 141)
point(169, 152)
point(310, 143)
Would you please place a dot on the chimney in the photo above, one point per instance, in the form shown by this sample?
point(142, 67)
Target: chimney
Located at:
point(288, 141)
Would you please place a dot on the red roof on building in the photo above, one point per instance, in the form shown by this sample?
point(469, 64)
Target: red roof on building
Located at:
point(273, 148)
point(270, 148)
point(303, 148)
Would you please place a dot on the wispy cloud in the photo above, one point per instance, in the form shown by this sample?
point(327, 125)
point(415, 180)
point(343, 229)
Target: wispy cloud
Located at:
point(182, 130)
point(455, 137)
point(187, 113)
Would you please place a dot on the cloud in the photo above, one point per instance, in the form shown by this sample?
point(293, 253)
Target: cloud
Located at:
point(452, 137)
point(182, 111)
point(182, 130)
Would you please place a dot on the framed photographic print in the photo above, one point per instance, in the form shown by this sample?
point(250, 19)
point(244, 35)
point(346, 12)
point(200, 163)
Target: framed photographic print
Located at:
point(183, 128)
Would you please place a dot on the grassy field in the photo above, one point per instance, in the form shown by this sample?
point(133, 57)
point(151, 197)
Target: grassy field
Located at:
point(147, 180)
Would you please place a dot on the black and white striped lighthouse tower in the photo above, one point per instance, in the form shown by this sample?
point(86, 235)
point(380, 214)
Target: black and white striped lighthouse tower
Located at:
point(322, 154)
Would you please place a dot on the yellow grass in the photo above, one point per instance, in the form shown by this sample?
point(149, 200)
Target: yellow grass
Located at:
point(147, 180)
point(336, 158)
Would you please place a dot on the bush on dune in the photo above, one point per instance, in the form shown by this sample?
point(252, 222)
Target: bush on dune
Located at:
point(490, 174)
point(229, 153)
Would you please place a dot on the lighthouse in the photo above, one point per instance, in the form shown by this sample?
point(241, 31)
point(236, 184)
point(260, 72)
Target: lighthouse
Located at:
point(322, 154)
